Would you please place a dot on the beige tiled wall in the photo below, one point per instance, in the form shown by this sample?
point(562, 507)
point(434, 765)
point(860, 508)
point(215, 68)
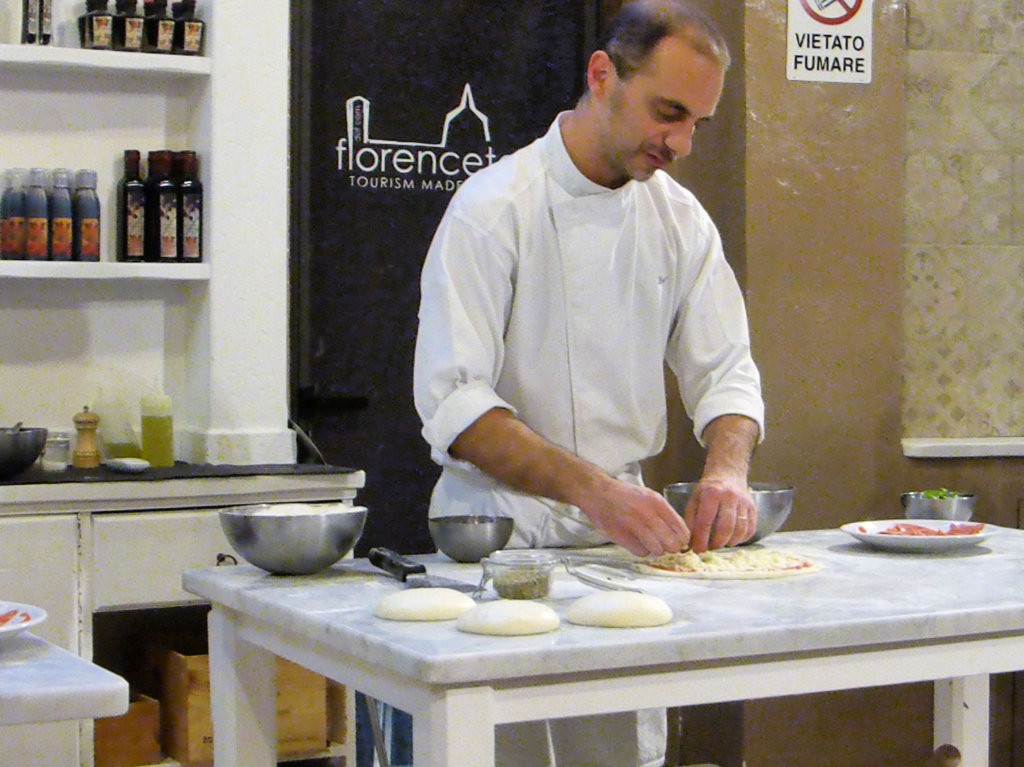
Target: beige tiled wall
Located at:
point(964, 218)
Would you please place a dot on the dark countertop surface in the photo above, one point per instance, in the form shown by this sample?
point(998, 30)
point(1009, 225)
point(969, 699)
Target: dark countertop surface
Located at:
point(35, 475)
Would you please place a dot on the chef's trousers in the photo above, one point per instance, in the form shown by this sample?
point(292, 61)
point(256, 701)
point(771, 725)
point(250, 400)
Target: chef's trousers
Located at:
point(627, 739)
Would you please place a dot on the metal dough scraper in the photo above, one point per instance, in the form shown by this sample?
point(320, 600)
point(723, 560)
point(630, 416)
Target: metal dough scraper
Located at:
point(412, 573)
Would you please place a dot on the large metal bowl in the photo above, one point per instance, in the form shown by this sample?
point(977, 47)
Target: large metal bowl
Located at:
point(773, 503)
point(293, 538)
point(470, 538)
point(925, 504)
point(19, 449)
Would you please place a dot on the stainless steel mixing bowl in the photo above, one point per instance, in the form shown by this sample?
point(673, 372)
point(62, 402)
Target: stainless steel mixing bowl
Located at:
point(19, 448)
point(470, 538)
point(293, 538)
point(930, 504)
point(773, 502)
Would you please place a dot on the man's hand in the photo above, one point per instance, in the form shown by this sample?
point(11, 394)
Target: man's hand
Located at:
point(637, 518)
point(720, 513)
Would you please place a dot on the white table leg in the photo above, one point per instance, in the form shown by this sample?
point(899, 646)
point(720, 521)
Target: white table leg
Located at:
point(962, 715)
point(456, 730)
point(242, 698)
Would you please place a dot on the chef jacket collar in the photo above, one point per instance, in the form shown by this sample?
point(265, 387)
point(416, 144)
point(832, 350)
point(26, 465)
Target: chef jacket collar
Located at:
point(563, 169)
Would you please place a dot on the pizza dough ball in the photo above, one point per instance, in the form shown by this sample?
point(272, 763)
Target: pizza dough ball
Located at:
point(509, 617)
point(619, 609)
point(424, 604)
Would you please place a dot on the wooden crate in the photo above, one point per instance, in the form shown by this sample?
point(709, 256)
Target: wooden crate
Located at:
point(186, 729)
point(130, 739)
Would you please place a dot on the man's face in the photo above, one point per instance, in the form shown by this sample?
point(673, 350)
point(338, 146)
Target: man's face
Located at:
point(648, 120)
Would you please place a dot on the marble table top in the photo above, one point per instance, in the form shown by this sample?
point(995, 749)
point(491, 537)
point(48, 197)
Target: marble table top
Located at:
point(861, 597)
point(40, 682)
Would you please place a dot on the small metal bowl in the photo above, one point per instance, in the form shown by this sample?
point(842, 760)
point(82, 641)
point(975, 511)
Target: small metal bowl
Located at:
point(772, 501)
point(470, 538)
point(957, 507)
point(293, 538)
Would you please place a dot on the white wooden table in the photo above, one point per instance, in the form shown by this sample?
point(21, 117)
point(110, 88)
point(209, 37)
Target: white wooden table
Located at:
point(867, 618)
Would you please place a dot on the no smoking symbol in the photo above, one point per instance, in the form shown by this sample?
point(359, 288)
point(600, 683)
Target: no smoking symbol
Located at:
point(831, 11)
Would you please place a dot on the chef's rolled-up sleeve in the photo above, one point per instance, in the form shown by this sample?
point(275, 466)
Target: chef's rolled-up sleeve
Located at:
point(466, 292)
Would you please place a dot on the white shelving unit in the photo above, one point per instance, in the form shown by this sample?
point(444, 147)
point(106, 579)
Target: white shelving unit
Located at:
point(77, 59)
point(103, 270)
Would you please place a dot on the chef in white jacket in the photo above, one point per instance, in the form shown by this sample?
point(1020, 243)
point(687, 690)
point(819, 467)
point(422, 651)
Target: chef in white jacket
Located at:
point(560, 281)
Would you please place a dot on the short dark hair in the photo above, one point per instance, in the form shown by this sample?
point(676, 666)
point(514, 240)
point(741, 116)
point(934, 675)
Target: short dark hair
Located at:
point(638, 28)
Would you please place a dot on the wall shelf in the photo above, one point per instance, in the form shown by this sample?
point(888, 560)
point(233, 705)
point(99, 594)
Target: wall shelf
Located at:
point(48, 57)
point(103, 270)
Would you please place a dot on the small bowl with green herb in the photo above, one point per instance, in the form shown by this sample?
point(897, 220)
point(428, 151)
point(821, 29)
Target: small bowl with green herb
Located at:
point(938, 504)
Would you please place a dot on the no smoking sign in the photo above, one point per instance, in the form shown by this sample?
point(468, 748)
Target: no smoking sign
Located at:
point(829, 41)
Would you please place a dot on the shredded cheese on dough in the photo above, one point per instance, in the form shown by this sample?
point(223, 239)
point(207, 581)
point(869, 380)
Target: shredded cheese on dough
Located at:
point(733, 560)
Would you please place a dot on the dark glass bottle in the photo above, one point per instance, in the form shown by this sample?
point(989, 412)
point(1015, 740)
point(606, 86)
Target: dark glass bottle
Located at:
point(157, 28)
point(96, 25)
point(127, 27)
point(190, 207)
point(12, 213)
point(30, 21)
point(131, 210)
point(161, 209)
point(45, 22)
point(37, 216)
point(60, 216)
point(86, 207)
point(188, 30)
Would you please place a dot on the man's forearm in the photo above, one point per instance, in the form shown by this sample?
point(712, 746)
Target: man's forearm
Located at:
point(730, 441)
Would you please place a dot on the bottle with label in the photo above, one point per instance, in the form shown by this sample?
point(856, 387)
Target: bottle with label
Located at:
point(30, 21)
point(131, 211)
point(45, 22)
point(190, 207)
point(86, 207)
point(157, 28)
point(12, 215)
point(96, 25)
point(127, 27)
point(157, 430)
point(37, 216)
point(61, 216)
point(188, 30)
point(161, 209)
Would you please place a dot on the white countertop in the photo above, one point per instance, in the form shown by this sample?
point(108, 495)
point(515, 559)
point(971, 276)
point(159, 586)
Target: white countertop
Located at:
point(43, 683)
point(194, 492)
point(861, 597)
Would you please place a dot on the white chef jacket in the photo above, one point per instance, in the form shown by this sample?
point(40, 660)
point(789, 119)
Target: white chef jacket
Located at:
point(559, 299)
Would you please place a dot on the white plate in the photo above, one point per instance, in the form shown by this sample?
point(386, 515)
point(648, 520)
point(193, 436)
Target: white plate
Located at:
point(871, 533)
point(25, 617)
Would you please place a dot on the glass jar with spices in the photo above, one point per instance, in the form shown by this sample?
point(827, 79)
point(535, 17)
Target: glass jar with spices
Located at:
point(96, 25)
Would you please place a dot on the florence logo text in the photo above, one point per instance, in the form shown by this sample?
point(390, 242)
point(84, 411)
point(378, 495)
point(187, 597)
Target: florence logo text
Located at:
point(380, 164)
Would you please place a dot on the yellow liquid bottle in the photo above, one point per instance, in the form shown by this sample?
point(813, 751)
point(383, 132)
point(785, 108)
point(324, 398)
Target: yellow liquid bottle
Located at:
point(157, 430)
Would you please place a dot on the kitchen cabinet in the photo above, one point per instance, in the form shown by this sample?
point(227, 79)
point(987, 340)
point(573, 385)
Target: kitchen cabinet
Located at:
point(82, 550)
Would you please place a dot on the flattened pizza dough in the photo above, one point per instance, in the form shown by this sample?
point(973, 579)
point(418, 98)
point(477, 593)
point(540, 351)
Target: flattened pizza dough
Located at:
point(509, 617)
point(730, 564)
point(619, 609)
point(424, 604)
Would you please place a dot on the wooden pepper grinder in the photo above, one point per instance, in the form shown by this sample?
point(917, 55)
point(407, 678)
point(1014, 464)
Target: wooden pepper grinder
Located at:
point(87, 453)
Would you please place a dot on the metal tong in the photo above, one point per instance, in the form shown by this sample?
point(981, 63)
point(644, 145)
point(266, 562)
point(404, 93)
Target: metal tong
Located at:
point(604, 574)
